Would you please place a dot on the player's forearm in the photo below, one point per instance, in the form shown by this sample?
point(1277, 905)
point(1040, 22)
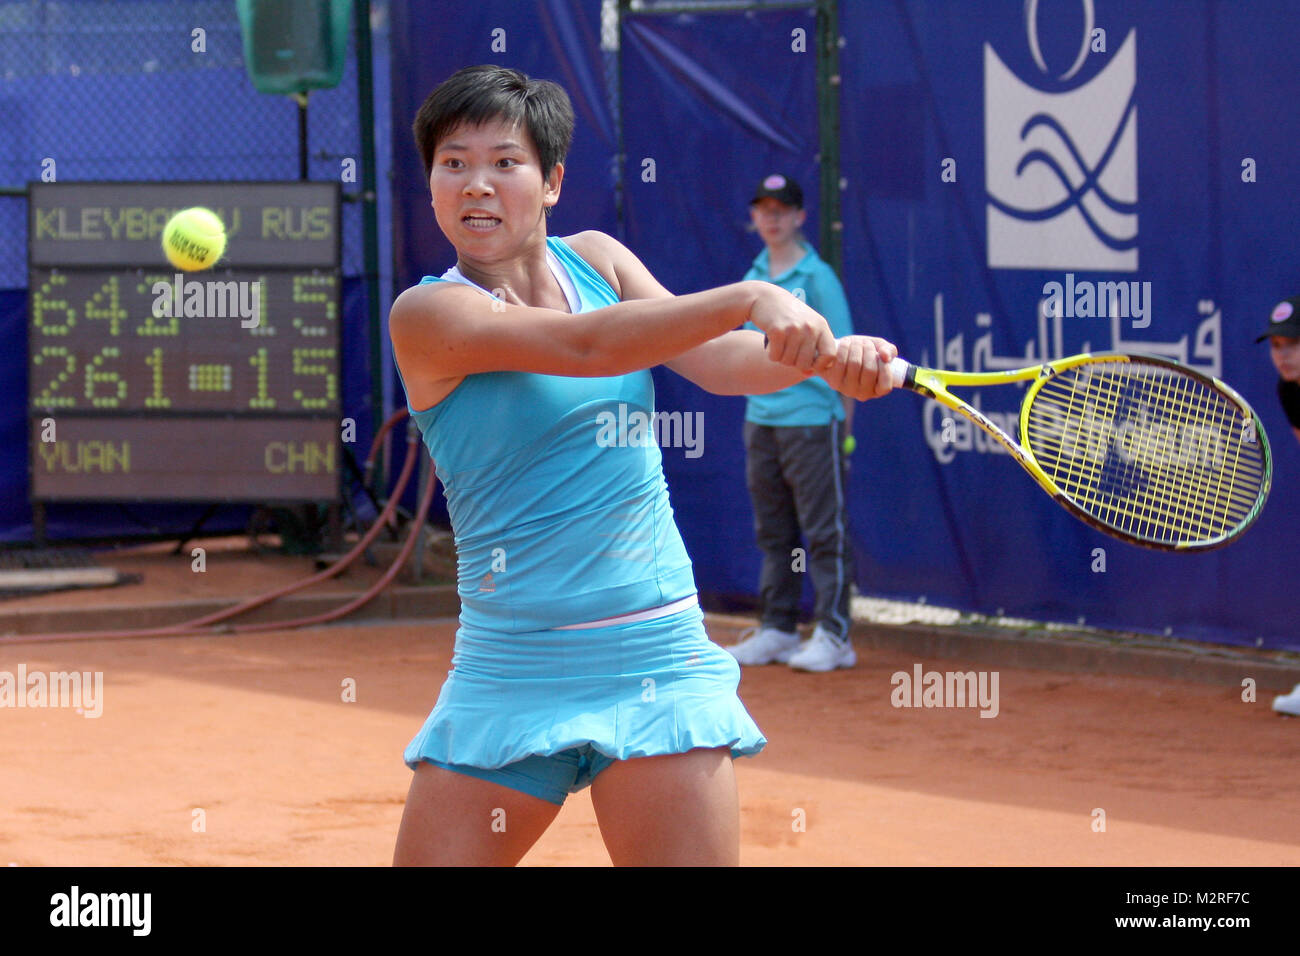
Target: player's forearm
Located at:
point(641, 333)
point(738, 364)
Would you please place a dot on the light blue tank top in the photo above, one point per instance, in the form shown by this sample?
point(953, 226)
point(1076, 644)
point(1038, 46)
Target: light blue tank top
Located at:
point(557, 499)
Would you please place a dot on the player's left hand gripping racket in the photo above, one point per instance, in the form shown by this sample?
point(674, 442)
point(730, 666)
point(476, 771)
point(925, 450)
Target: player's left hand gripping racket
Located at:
point(1139, 447)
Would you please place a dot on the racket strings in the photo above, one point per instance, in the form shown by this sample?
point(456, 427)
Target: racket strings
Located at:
point(1125, 470)
point(1144, 449)
point(1185, 492)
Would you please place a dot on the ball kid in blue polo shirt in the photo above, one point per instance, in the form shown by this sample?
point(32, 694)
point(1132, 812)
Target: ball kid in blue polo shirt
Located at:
point(796, 443)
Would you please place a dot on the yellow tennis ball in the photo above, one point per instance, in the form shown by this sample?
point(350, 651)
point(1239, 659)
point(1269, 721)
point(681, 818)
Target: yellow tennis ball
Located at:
point(194, 239)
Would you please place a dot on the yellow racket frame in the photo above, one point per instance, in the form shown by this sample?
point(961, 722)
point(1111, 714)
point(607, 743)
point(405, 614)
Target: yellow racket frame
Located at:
point(934, 383)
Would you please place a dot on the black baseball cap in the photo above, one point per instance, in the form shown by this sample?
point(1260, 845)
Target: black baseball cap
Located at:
point(1284, 320)
point(781, 188)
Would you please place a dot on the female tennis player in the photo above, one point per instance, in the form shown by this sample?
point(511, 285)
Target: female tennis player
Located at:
point(581, 657)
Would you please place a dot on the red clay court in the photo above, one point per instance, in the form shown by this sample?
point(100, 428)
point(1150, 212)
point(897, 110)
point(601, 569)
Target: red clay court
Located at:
point(253, 730)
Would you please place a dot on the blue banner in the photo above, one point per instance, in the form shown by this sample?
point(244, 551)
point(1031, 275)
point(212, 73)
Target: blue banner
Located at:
point(1094, 176)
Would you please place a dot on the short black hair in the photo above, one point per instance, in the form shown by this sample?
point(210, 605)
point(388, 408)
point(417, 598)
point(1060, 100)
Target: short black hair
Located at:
point(479, 94)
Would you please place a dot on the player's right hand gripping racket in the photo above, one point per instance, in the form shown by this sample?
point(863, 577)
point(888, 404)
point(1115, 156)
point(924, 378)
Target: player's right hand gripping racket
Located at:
point(1139, 447)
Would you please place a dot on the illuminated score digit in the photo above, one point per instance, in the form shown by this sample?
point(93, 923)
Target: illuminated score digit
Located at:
point(156, 399)
point(43, 303)
point(107, 304)
point(47, 398)
point(264, 326)
point(94, 376)
point(303, 294)
point(302, 367)
point(151, 326)
point(261, 399)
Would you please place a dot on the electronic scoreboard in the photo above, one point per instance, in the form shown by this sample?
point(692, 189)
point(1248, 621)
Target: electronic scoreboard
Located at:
point(145, 383)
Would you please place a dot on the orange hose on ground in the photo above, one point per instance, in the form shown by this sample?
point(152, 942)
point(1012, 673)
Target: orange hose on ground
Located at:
point(374, 589)
point(191, 628)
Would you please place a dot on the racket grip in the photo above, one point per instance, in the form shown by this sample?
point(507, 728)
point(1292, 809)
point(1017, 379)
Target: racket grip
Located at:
point(898, 371)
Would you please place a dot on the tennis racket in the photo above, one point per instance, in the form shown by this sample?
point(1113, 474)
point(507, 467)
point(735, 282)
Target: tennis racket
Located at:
point(1139, 447)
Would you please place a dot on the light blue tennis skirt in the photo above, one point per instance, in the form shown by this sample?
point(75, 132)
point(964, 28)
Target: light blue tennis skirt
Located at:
point(629, 690)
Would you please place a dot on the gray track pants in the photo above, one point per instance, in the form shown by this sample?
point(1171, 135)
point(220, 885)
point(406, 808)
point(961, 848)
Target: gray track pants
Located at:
point(796, 481)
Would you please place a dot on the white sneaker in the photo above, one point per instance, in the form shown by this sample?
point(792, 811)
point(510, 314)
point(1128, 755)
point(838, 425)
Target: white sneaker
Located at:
point(763, 645)
point(1289, 703)
point(823, 653)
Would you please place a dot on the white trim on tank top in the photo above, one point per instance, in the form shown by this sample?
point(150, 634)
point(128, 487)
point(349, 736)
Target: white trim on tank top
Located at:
point(557, 269)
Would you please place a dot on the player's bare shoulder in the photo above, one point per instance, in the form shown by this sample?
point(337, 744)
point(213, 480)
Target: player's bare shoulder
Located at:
point(626, 274)
point(417, 324)
point(420, 309)
point(600, 244)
